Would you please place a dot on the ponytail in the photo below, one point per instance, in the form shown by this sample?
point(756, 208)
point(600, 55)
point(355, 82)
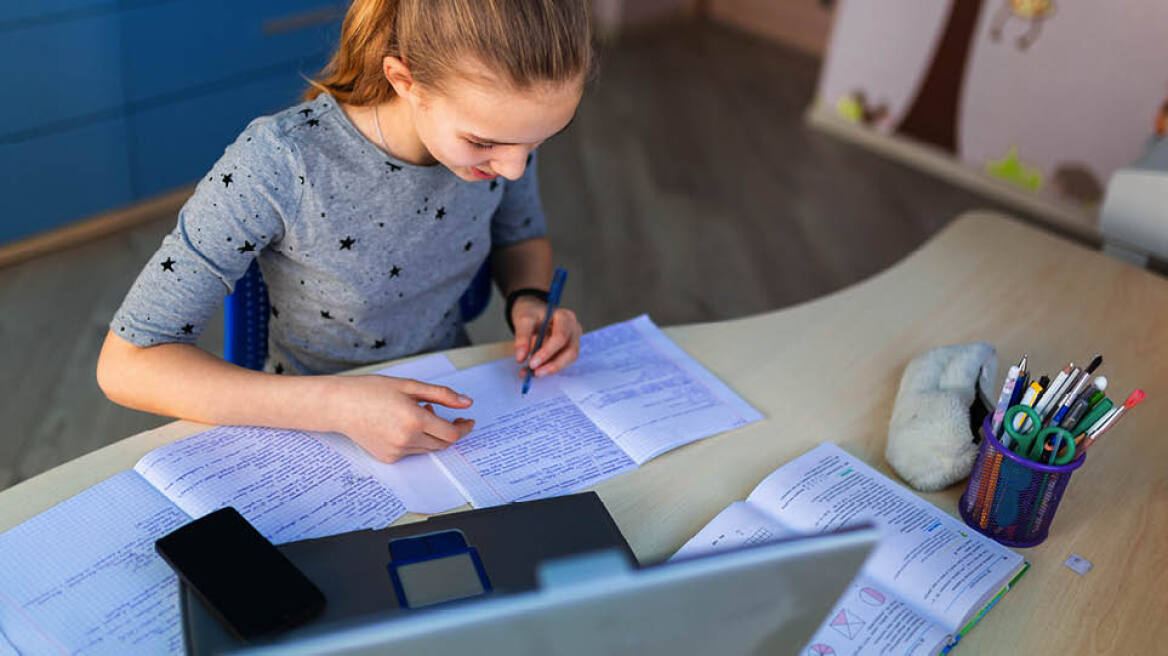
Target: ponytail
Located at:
point(525, 41)
point(353, 75)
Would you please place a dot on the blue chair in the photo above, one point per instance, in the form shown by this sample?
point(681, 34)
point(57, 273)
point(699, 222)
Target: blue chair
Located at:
point(246, 313)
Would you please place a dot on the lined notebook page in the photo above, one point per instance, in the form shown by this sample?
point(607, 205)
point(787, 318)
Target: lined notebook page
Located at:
point(83, 578)
point(291, 485)
point(524, 447)
point(646, 393)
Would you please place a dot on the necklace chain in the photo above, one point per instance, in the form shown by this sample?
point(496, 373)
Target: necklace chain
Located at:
point(377, 124)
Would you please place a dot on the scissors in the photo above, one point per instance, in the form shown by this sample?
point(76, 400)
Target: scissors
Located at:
point(1031, 442)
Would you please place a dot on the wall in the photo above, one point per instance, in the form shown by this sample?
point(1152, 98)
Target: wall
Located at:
point(1048, 97)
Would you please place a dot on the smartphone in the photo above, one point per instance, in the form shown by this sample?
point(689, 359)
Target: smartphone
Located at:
point(242, 578)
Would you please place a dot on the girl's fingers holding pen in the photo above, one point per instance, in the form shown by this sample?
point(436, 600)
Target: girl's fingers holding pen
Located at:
point(525, 327)
point(563, 332)
point(562, 359)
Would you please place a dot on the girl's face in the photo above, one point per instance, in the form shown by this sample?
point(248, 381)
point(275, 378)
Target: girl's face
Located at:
point(480, 127)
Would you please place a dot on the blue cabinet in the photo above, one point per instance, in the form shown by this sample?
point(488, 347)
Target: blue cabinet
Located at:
point(175, 47)
point(53, 179)
point(175, 143)
point(25, 12)
point(111, 101)
point(58, 73)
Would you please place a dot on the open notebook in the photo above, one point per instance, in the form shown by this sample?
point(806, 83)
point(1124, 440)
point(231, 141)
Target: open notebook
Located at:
point(925, 585)
point(83, 577)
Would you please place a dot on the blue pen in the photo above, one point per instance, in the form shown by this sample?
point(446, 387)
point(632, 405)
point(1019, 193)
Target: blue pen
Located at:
point(552, 302)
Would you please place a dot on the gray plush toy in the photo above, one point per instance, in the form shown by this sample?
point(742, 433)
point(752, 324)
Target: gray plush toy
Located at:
point(930, 437)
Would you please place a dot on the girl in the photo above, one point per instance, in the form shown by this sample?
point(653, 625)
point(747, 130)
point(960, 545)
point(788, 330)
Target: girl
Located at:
point(370, 207)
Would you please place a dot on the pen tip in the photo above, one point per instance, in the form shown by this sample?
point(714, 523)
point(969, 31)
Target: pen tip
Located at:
point(1095, 362)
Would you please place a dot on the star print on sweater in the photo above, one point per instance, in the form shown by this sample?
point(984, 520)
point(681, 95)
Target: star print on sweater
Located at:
point(350, 235)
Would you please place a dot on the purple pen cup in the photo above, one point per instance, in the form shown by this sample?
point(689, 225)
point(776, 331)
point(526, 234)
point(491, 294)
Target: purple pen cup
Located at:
point(1010, 498)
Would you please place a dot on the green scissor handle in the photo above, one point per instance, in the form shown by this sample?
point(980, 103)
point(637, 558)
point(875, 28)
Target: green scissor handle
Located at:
point(1031, 442)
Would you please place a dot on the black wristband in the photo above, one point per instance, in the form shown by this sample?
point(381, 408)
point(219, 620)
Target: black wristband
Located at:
point(514, 296)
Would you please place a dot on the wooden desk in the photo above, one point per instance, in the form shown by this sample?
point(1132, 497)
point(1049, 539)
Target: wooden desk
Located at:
point(829, 370)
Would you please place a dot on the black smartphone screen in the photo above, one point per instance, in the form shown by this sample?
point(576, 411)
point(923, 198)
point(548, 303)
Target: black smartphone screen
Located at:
point(252, 588)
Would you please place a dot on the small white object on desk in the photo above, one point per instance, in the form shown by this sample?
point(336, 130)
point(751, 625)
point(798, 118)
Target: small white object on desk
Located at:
point(1078, 564)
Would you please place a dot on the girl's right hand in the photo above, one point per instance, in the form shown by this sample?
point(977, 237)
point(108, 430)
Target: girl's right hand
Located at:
point(385, 416)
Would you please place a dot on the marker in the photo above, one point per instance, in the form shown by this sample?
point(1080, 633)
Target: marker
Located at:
point(1094, 414)
point(553, 301)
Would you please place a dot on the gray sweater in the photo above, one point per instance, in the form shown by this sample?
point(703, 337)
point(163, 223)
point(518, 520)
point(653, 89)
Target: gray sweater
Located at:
point(365, 257)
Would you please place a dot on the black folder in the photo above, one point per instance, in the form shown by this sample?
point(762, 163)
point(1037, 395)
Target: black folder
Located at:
point(350, 568)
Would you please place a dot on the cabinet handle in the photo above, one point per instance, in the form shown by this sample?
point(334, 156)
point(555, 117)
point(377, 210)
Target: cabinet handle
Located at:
point(300, 21)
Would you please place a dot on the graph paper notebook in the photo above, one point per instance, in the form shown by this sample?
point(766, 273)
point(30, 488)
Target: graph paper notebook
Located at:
point(929, 579)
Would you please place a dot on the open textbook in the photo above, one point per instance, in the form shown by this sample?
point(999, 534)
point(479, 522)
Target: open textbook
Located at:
point(83, 577)
point(927, 582)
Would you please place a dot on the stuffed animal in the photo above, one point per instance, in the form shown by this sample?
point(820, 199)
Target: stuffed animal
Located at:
point(943, 395)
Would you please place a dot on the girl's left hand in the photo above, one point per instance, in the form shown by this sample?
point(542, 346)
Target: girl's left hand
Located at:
point(560, 347)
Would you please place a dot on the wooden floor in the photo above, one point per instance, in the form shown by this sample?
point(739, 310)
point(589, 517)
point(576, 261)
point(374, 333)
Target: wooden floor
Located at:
point(688, 188)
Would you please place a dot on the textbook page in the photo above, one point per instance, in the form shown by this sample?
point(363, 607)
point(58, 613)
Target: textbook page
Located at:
point(867, 619)
point(83, 578)
point(647, 394)
point(523, 446)
point(740, 524)
point(932, 561)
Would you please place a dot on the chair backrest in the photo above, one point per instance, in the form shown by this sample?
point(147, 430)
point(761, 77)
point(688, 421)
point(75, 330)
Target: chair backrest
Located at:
point(245, 318)
point(246, 313)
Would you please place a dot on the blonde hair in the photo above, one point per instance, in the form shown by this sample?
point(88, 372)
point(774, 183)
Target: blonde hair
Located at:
point(523, 41)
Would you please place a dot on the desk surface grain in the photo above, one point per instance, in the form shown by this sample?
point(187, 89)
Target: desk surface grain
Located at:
point(828, 370)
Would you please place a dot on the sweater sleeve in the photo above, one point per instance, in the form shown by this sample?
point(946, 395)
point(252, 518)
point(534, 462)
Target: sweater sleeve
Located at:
point(239, 208)
point(520, 213)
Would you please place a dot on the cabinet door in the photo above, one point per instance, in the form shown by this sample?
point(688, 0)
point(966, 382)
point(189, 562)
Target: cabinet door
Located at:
point(59, 74)
point(54, 179)
point(14, 13)
point(176, 143)
point(176, 48)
